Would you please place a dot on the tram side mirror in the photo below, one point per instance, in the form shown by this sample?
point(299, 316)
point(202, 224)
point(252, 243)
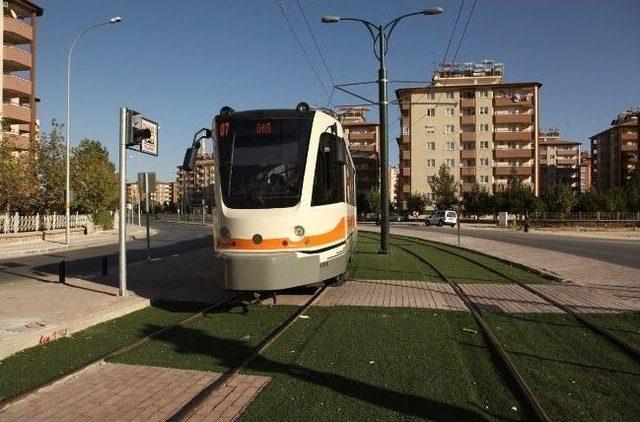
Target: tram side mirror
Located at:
point(189, 159)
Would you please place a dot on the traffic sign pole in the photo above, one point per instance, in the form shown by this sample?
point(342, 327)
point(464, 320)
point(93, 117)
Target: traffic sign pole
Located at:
point(146, 206)
point(122, 265)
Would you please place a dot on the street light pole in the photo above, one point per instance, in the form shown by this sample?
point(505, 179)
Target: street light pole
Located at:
point(67, 195)
point(380, 35)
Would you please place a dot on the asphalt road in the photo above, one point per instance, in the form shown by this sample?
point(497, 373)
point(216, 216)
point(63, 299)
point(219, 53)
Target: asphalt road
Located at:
point(171, 240)
point(621, 252)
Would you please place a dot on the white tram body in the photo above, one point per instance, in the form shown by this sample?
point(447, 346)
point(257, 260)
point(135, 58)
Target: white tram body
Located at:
point(285, 211)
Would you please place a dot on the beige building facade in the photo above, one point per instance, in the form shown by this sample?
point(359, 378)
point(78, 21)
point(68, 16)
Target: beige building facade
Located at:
point(198, 184)
point(559, 161)
point(482, 128)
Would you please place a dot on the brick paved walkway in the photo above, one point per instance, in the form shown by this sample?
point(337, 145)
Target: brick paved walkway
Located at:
point(117, 392)
point(490, 297)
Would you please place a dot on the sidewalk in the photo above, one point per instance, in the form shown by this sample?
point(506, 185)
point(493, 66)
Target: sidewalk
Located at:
point(572, 268)
point(101, 238)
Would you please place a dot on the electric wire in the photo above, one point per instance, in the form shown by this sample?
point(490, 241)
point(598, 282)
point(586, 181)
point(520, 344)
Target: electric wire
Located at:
point(315, 42)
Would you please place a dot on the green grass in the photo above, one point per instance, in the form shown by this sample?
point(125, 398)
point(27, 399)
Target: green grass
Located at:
point(625, 325)
point(34, 366)
point(576, 374)
point(400, 265)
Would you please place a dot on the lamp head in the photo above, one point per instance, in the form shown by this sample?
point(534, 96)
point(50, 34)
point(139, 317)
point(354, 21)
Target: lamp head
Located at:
point(433, 11)
point(115, 19)
point(330, 19)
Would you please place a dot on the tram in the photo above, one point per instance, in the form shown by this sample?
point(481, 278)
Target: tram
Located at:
point(285, 196)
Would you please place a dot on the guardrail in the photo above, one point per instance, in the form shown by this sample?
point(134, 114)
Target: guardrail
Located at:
point(588, 216)
point(194, 217)
point(16, 223)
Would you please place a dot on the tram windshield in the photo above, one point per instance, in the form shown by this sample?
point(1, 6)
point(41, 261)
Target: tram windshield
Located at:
point(262, 161)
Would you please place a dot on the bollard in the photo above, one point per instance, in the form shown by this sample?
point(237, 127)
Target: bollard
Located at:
point(62, 271)
point(105, 264)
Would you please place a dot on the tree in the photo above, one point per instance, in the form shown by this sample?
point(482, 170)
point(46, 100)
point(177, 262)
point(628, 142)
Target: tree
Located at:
point(18, 181)
point(478, 201)
point(373, 199)
point(558, 198)
point(518, 198)
point(51, 170)
point(632, 189)
point(444, 189)
point(417, 202)
point(612, 200)
point(94, 181)
point(586, 202)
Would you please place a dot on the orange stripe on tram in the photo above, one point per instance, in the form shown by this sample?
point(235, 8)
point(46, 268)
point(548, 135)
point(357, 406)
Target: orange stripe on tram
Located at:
point(335, 234)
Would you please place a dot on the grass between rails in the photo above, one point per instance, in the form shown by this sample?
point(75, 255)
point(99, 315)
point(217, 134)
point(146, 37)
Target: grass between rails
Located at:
point(400, 265)
point(34, 366)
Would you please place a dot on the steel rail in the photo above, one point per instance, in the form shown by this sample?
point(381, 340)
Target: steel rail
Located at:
point(190, 408)
point(627, 347)
point(515, 375)
point(120, 350)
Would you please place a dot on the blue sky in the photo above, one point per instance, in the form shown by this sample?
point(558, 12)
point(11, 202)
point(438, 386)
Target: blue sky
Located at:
point(178, 62)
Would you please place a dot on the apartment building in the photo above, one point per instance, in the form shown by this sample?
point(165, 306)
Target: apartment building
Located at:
point(133, 193)
point(163, 193)
point(482, 128)
point(615, 151)
point(198, 183)
point(585, 171)
point(19, 28)
point(559, 160)
point(363, 139)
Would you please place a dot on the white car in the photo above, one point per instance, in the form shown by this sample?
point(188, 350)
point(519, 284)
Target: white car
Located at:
point(442, 218)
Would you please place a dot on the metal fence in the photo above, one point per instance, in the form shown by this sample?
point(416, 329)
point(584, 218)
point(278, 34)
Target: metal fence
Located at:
point(16, 223)
point(588, 216)
point(194, 217)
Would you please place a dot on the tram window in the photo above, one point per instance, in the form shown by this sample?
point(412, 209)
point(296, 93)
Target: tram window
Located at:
point(328, 181)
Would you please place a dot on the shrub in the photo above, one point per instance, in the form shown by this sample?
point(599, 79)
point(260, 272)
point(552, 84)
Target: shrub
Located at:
point(103, 218)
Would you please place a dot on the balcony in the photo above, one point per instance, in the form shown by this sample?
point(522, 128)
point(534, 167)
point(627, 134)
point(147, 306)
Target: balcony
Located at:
point(507, 170)
point(367, 136)
point(467, 102)
point(467, 136)
point(406, 171)
point(406, 155)
point(513, 153)
point(567, 153)
point(467, 171)
point(468, 120)
point(467, 153)
point(15, 114)
point(15, 87)
point(513, 118)
point(628, 136)
point(16, 59)
point(467, 187)
point(362, 148)
point(566, 162)
point(629, 147)
point(406, 188)
point(15, 141)
point(508, 101)
point(513, 136)
point(16, 31)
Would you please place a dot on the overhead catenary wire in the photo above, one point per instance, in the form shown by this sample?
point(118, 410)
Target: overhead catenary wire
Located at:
point(304, 51)
point(464, 31)
point(315, 42)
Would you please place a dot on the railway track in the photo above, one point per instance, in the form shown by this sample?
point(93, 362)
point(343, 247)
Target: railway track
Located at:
point(123, 349)
point(516, 377)
point(191, 407)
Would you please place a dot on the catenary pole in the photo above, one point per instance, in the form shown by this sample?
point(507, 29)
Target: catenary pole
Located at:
point(122, 226)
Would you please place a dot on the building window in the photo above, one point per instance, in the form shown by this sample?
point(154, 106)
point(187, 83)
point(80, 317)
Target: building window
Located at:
point(450, 95)
point(484, 179)
point(405, 130)
point(450, 111)
point(484, 110)
point(484, 127)
point(431, 146)
point(450, 146)
point(431, 112)
point(431, 162)
point(484, 161)
point(450, 162)
point(484, 144)
point(449, 128)
point(483, 94)
point(431, 179)
point(431, 95)
point(513, 128)
point(431, 129)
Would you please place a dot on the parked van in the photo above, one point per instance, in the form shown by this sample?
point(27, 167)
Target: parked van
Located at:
point(442, 218)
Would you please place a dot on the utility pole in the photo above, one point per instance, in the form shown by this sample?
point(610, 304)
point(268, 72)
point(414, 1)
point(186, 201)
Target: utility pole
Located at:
point(122, 229)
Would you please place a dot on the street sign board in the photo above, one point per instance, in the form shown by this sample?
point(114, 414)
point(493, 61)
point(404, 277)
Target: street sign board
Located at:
point(142, 185)
point(142, 133)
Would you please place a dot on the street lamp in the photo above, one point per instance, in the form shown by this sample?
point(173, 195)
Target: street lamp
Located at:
point(380, 34)
point(67, 195)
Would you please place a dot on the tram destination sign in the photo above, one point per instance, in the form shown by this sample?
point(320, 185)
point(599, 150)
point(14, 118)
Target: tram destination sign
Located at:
point(142, 133)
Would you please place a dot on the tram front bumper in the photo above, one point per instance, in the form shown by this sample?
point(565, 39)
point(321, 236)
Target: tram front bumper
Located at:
point(267, 271)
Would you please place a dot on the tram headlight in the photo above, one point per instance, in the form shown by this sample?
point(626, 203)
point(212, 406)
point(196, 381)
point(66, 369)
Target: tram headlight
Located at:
point(299, 231)
point(225, 234)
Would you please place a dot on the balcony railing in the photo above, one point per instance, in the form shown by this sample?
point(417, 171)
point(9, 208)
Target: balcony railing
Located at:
point(467, 153)
point(16, 31)
point(15, 86)
point(468, 119)
point(507, 170)
point(467, 102)
point(513, 136)
point(513, 118)
point(629, 147)
point(467, 136)
point(511, 101)
point(16, 59)
point(468, 171)
point(513, 153)
point(14, 113)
